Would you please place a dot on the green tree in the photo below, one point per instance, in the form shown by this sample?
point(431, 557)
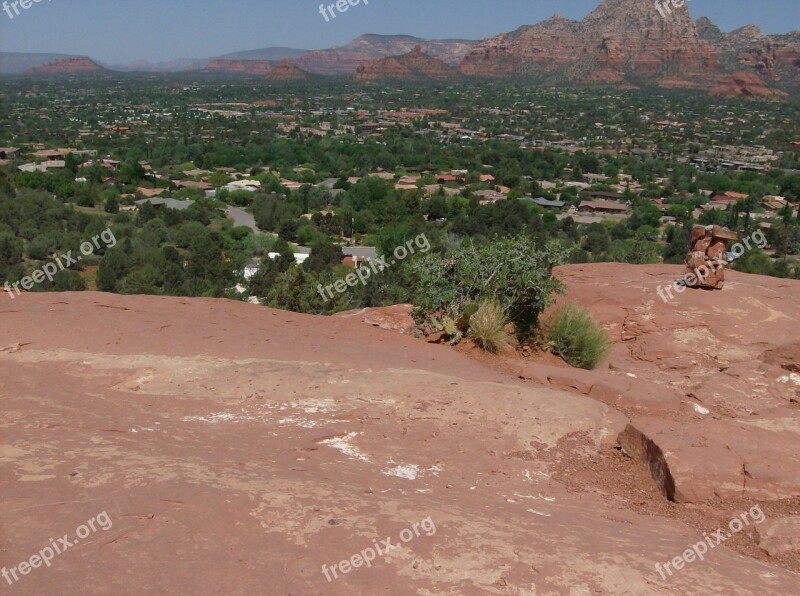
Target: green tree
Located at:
point(113, 268)
point(112, 205)
point(324, 254)
point(264, 279)
point(285, 258)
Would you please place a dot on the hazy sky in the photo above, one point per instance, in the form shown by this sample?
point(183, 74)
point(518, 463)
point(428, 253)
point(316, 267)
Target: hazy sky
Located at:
point(117, 31)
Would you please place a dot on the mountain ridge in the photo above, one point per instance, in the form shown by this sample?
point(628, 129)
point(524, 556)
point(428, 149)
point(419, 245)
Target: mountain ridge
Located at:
point(627, 43)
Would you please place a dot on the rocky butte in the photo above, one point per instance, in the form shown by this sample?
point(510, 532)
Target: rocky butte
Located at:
point(236, 447)
point(287, 71)
point(746, 84)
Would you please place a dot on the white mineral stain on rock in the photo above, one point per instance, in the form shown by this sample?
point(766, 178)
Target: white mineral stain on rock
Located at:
point(409, 472)
point(343, 444)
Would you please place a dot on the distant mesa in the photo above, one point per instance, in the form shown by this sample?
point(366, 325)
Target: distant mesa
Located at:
point(248, 67)
point(345, 60)
point(274, 71)
point(413, 66)
point(76, 65)
point(16, 63)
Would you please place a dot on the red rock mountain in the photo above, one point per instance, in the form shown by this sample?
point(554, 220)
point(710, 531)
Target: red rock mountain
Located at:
point(412, 66)
point(621, 39)
point(346, 59)
point(76, 65)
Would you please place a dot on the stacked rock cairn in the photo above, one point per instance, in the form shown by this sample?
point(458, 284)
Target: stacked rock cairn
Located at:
point(707, 257)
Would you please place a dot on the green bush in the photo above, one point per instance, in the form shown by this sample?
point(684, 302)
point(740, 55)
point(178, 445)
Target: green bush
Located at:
point(511, 271)
point(487, 326)
point(573, 334)
point(754, 261)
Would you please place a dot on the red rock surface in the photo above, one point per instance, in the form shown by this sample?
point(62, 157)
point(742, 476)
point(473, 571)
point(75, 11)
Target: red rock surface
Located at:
point(722, 402)
point(238, 449)
point(392, 318)
point(780, 536)
point(77, 65)
point(696, 461)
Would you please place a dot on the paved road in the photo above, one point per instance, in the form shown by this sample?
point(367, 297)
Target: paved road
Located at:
point(362, 252)
point(241, 218)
